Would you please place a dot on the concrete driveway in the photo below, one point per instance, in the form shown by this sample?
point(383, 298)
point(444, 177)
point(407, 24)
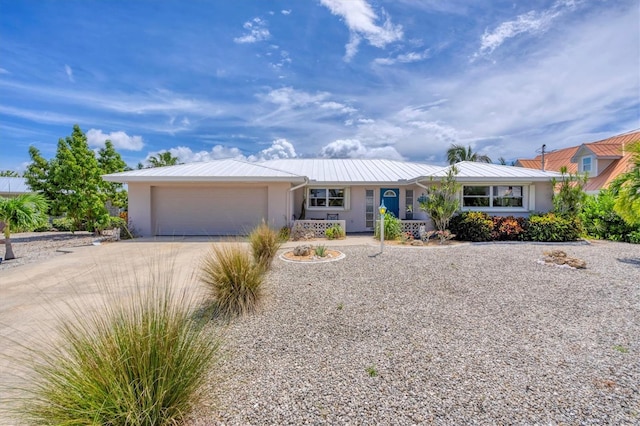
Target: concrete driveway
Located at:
point(34, 296)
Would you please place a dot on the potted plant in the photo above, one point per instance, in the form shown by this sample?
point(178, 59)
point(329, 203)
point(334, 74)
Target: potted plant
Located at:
point(409, 212)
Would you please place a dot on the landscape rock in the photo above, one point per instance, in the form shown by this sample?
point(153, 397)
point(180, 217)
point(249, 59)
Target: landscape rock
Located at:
point(303, 250)
point(559, 257)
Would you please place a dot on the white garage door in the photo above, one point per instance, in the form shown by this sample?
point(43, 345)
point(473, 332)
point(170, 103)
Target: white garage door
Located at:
point(207, 211)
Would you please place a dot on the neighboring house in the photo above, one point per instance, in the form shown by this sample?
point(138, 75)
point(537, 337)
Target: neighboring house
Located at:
point(603, 160)
point(228, 197)
point(13, 186)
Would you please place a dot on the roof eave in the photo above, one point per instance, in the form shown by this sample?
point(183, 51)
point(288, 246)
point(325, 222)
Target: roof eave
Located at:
point(212, 179)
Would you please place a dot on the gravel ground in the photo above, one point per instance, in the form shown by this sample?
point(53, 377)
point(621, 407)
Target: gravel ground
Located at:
point(32, 247)
point(468, 334)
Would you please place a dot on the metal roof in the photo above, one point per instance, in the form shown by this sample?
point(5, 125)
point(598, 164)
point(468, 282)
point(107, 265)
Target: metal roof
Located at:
point(229, 170)
point(469, 171)
point(325, 170)
point(13, 185)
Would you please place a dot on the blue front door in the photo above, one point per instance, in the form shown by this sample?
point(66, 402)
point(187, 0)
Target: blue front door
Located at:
point(391, 199)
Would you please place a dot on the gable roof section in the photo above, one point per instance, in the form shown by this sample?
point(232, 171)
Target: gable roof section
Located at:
point(553, 160)
point(615, 169)
point(354, 171)
point(13, 185)
point(210, 171)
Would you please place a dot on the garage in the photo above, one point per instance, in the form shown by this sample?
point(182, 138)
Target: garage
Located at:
point(207, 210)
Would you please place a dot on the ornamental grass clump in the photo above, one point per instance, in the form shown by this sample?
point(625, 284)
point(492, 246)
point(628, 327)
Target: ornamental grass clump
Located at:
point(142, 360)
point(265, 243)
point(234, 280)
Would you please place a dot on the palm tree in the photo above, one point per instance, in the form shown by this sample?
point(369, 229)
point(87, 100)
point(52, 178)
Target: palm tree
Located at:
point(163, 159)
point(458, 153)
point(23, 211)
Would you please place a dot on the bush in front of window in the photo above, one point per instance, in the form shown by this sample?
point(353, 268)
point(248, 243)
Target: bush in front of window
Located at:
point(508, 228)
point(551, 227)
point(472, 226)
point(392, 227)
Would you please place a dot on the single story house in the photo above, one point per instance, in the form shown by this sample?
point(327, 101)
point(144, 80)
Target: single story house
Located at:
point(230, 197)
point(602, 161)
point(13, 186)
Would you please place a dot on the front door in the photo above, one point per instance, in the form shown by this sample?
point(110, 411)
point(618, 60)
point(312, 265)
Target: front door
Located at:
point(391, 199)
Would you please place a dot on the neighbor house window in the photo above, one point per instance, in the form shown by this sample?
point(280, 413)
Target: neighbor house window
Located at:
point(492, 196)
point(327, 198)
point(586, 164)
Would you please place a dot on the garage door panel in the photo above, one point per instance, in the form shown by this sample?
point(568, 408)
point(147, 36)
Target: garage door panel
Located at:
point(207, 211)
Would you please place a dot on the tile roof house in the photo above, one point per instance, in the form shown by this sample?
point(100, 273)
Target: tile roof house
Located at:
point(230, 197)
point(603, 160)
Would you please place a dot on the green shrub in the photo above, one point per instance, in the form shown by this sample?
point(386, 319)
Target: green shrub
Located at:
point(63, 224)
point(392, 227)
point(508, 228)
point(321, 250)
point(284, 234)
point(334, 232)
point(601, 221)
point(265, 243)
point(472, 226)
point(143, 360)
point(234, 280)
point(553, 228)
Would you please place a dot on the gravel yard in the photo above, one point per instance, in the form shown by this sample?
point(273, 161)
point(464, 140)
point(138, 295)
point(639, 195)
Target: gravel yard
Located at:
point(32, 247)
point(467, 334)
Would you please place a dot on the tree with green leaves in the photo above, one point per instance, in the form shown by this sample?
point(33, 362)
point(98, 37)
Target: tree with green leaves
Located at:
point(163, 159)
point(39, 179)
point(77, 174)
point(442, 200)
point(457, 153)
point(569, 193)
point(23, 211)
point(627, 190)
point(9, 173)
point(110, 161)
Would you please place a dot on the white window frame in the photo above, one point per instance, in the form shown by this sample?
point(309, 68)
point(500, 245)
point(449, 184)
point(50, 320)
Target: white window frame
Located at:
point(327, 207)
point(491, 196)
point(582, 164)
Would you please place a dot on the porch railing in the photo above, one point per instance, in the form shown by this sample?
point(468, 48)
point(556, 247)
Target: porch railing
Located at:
point(319, 226)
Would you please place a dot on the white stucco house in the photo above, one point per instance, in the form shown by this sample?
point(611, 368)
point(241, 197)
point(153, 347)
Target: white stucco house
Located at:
point(230, 197)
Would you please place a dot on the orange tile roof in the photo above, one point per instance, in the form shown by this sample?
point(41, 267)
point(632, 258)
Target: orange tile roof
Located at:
point(605, 148)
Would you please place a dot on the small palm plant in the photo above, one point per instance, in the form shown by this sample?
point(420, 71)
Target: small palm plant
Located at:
point(141, 361)
point(23, 211)
point(265, 243)
point(234, 280)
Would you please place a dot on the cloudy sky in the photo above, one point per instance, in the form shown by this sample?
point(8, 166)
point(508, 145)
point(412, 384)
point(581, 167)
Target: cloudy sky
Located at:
point(255, 79)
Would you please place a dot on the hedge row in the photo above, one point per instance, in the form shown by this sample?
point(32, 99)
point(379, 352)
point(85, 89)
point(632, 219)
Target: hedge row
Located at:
point(479, 226)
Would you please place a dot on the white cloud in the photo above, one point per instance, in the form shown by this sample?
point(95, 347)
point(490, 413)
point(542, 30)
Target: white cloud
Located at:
point(289, 97)
point(4, 71)
point(353, 148)
point(530, 22)
point(120, 140)
point(286, 12)
point(361, 20)
point(256, 30)
point(404, 58)
point(280, 148)
point(69, 72)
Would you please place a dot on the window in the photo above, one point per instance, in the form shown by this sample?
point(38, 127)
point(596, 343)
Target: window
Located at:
point(586, 164)
point(369, 209)
point(492, 196)
point(327, 198)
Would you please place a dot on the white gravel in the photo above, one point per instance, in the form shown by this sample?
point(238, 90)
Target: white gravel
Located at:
point(30, 247)
point(468, 334)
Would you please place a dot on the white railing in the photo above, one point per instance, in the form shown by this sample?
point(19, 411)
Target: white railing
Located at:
point(413, 226)
point(319, 226)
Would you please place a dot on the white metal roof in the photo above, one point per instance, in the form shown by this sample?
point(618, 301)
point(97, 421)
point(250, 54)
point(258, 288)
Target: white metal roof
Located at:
point(469, 171)
point(229, 170)
point(13, 185)
point(327, 171)
point(324, 170)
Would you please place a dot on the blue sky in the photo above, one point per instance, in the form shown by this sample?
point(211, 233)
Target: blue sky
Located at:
point(397, 79)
